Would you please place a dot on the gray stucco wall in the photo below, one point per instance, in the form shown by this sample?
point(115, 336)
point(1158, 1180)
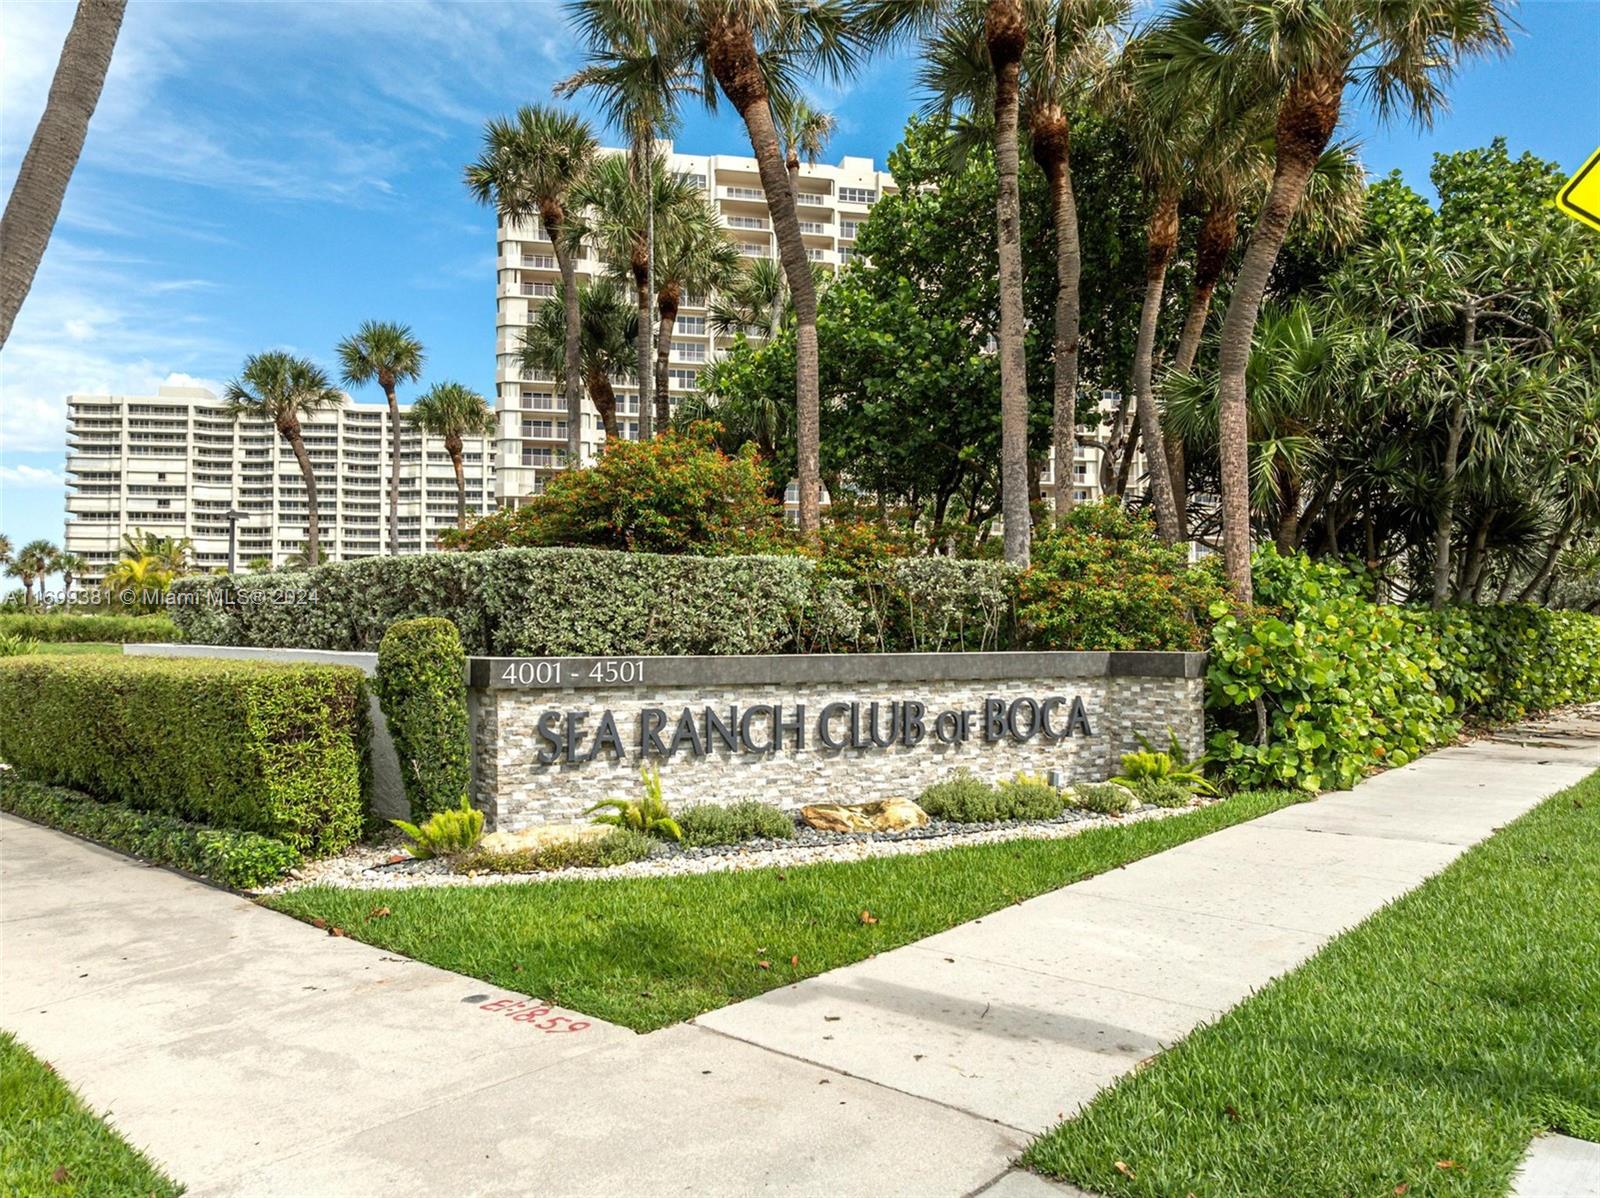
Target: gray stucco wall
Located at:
point(1123, 696)
point(388, 795)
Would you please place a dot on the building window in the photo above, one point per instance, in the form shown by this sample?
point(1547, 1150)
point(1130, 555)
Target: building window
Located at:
point(858, 195)
point(689, 351)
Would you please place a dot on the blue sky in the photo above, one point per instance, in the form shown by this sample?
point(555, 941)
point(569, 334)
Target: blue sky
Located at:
point(269, 175)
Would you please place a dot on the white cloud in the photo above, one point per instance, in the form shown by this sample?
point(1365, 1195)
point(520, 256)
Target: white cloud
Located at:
point(30, 476)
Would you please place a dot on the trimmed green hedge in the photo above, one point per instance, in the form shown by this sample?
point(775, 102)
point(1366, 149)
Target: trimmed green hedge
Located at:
point(594, 602)
point(1319, 684)
point(264, 747)
point(242, 860)
point(41, 626)
point(421, 685)
point(1504, 662)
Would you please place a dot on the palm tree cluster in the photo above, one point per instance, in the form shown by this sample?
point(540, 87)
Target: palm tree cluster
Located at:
point(1228, 109)
point(283, 388)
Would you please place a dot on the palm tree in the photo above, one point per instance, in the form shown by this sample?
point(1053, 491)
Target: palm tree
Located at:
point(617, 219)
point(454, 411)
point(638, 88)
point(752, 52)
point(608, 327)
point(33, 561)
point(1005, 28)
point(528, 167)
point(695, 257)
point(72, 566)
point(140, 574)
point(280, 387)
point(259, 565)
point(806, 132)
point(1068, 48)
point(5, 550)
point(1231, 171)
point(388, 353)
point(756, 301)
point(174, 554)
point(41, 182)
point(1300, 59)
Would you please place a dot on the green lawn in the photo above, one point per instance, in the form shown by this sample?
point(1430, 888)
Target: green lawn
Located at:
point(52, 1146)
point(646, 952)
point(1415, 1055)
point(78, 647)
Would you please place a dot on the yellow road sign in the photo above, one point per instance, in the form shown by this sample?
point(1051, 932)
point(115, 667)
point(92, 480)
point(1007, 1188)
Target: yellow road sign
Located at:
point(1580, 198)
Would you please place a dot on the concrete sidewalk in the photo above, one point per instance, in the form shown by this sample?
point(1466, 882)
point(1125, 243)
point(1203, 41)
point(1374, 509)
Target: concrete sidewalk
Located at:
point(1026, 1014)
point(253, 1056)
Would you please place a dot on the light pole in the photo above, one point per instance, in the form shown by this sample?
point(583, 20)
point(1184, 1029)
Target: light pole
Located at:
point(233, 515)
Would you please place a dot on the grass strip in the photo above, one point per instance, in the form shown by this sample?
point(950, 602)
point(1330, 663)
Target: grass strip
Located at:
point(52, 1145)
point(1414, 1055)
point(647, 952)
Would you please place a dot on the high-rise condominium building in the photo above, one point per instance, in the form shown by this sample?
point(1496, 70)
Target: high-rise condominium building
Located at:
point(175, 463)
point(833, 203)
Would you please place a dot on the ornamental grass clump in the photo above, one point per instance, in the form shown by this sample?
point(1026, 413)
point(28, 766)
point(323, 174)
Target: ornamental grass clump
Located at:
point(1162, 792)
point(445, 833)
point(712, 823)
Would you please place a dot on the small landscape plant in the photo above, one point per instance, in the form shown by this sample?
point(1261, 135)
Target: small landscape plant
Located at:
point(617, 847)
point(1028, 796)
point(1103, 798)
point(713, 823)
point(445, 833)
point(1162, 792)
point(648, 814)
point(963, 799)
point(16, 645)
point(1171, 765)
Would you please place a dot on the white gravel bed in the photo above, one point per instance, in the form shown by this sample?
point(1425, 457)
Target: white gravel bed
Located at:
point(360, 868)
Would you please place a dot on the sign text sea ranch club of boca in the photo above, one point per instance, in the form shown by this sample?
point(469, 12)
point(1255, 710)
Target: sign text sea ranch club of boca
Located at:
point(574, 736)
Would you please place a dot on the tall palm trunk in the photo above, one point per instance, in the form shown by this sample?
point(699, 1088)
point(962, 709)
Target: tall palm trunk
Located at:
point(604, 398)
point(646, 365)
point(731, 54)
point(452, 446)
point(1445, 520)
point(643, 154)
point(1006, 33)
point(667, 304)
point(1306, 120)
point(1052, 150)
point(1218, 230)
point(387, 384)
point(291, 434)
point(572, 346)
point(47, 167)
point(1161, 239)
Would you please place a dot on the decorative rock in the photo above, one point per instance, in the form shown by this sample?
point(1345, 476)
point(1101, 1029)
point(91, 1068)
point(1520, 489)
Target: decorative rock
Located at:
point(886, 815)
point(540, 835)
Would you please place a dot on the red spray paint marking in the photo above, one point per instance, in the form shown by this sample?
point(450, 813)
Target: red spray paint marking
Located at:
point(527, 1010)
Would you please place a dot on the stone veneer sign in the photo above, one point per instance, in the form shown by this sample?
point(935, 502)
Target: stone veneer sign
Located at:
point(553, 736)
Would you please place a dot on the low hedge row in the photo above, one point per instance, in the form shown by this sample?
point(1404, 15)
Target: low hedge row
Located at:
point(263, 747)
point(242, 860)
point(1320, 684)
point(125, 630)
